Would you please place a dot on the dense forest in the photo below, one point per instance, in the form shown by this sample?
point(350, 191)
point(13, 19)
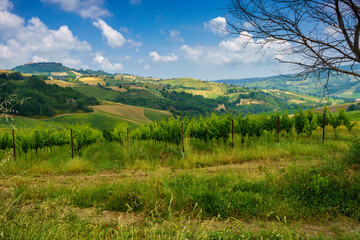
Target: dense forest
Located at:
point(32, 97)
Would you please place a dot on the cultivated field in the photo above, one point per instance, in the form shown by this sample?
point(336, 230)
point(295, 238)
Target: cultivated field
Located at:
point(60, 83)
point(93, 80)
point(132, 113)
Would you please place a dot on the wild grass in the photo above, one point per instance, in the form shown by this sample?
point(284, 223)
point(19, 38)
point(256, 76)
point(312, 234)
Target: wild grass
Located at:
point(300, 188)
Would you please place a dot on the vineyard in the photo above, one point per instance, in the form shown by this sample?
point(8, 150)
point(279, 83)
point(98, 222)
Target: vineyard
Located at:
point(214, 177)
point(211, 129)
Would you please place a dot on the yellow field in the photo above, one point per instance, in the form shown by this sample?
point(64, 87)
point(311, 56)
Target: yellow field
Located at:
point(60, 83)
point(296, 101)
point(59, 74)
point(76, 73)
point(117, 89)
point(5, 71)
point(92, 80)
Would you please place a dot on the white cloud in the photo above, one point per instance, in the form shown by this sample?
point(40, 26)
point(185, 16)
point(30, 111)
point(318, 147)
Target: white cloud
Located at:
point(240, 50)
point(135, 2)
point(127, 57)
point(175, 36)
point(6, 5)
point(217, 25)
point(113, 37)
point(105, 63)
point(39, 59)
point(158, 58)
point(85, 8)
point(9, 23)
point(193, 53)
point(146, 67)
point(35, 41)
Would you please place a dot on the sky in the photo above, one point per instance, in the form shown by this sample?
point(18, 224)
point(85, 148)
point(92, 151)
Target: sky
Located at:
point(159, 38)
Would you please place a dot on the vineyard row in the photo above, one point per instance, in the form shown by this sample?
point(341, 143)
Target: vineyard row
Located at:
point(174, 130)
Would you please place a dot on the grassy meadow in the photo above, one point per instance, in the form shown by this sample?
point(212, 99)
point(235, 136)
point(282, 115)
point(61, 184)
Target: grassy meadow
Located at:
point(95, 120)
point(300, 188)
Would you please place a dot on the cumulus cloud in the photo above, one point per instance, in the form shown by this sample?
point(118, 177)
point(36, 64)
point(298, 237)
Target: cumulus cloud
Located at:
point(217, 25)
point(33, 40)
point(193, 53)
point(6, 5)
point(9, 23)
point(85, 8)
point(105, 63)
point(240, 50)
point(113, 37)
point(158, 58)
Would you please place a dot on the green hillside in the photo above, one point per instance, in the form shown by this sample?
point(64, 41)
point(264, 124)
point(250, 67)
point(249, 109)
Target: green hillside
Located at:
point(42, 67)
point(339, 85)
point(32, 97)
point(181, 96)
point(95, 120)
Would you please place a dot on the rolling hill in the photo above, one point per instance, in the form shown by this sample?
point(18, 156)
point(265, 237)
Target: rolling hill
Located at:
point(339, 85)
point(181, 96)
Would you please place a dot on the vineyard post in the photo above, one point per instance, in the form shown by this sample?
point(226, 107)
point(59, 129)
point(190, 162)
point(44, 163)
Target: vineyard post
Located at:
point(72, 144)
point(232, 132)
point(182, 137)
point(13, 137)
point(278, 129)
point(324, 118)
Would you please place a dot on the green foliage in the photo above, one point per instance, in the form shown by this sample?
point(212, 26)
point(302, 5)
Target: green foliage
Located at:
point(300, 121)
point(312, 122)
point(42, 67)
point(119, 133)
point(40, 99)
point(286, 123)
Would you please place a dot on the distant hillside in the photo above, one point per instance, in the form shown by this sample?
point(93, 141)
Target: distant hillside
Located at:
point(35, 98)
point(57, 69)
point(339, 85)
point(41, 67)
point(181, 96)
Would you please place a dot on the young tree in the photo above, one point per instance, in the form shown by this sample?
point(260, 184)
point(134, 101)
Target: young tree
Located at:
point(323, 35)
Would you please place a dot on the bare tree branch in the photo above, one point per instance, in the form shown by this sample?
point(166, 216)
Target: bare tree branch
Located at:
point(321, 35)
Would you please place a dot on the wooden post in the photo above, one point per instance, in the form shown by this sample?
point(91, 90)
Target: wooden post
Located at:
point(324, 122)
point(72, 144)
point(182, 137)
point(232, 132)
point(278, 130)
point(13, 136)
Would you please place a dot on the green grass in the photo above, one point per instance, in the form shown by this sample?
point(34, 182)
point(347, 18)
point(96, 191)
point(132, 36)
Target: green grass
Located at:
point(298, 189)
point(99, 93)
point(354, 115)
point(96, 120)
point(154, 115)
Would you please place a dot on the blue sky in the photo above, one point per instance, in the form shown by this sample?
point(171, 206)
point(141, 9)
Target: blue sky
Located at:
point(157, 38)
